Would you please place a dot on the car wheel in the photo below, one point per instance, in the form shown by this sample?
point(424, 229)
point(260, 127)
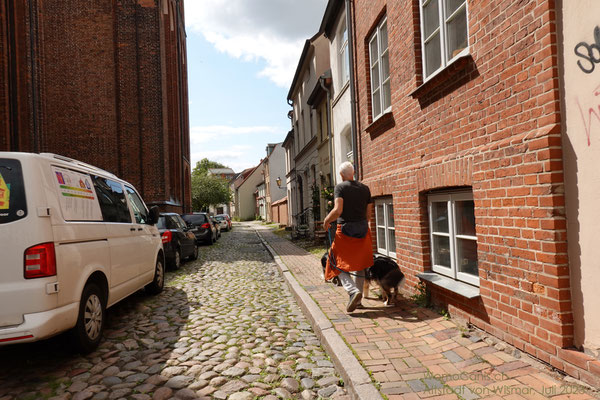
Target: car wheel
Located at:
point(87, 333)
point(194, 255)
point(177, 259)
point(158, 283)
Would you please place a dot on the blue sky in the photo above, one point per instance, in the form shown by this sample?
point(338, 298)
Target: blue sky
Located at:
point(242, 56)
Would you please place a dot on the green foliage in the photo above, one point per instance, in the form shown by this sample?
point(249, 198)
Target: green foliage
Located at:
point(327, 194)
point(208, 190)
point(316, 202)
point(421, 297)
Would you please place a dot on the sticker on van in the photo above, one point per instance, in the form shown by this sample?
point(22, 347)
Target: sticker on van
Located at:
point(13, 204)
point(78, 200)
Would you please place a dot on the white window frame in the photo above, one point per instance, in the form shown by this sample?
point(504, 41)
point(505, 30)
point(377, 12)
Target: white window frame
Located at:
point(450, 199)
point(343, 57)
point(388, 225)
point(378, 91)
point(446, 58)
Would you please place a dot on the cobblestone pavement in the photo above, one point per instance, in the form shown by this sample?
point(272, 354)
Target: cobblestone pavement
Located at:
point(225, 327)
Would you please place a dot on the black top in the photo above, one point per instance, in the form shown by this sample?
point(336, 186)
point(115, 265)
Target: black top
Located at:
point(356, 196)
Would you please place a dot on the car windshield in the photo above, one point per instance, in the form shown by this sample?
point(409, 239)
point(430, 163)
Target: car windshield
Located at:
point(220, 218)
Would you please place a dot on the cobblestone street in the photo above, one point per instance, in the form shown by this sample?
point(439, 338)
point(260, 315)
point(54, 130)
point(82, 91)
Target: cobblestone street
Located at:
point(226, 326)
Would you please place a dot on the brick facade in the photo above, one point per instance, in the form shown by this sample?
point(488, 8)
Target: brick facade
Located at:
point(102, 82)
point(490, 122)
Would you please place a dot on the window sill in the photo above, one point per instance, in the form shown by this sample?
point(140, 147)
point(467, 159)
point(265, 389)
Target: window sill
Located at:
point(381, 124)
point(457, 64)
point(463, 289)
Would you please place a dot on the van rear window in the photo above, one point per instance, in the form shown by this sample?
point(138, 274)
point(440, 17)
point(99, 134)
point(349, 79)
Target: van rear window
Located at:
point(13, 204)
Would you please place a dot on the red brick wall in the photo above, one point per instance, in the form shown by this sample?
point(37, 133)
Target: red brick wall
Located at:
point(492, 122)
point(102, 90)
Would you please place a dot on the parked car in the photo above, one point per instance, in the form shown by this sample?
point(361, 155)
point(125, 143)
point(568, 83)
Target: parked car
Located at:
point(75, 240)
point(216, 225)
point(203, 227)
point(179, 242)
point(224, 221)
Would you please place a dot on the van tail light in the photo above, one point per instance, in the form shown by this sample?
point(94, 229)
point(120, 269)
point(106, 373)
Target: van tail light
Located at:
point(40, 261)
point(167, 237)
point(205, 225)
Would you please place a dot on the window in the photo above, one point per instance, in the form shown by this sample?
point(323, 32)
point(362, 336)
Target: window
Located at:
point(453, 237)
point(344, 63)
point(13, 204)
point(380, 70)
point(112, 200)
point(386, 232)
point(443, 33)
point(140, 211)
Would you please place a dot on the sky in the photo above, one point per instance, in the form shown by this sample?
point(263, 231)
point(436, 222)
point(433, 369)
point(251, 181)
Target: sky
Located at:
point(242, 56)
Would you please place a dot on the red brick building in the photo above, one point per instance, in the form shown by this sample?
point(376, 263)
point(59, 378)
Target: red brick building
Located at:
point(103, 82)
point(459, 139)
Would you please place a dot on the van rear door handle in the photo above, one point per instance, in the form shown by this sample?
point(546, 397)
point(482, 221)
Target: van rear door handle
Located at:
point(140, 229)
point(132, 229)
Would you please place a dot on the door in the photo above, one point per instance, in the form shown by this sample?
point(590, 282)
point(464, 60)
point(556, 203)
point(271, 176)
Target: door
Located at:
point(121, 236)
point(145, 237)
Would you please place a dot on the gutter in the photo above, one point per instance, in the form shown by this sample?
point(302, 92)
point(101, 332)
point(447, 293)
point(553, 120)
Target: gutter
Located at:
point(322, 78)
point(352, 90)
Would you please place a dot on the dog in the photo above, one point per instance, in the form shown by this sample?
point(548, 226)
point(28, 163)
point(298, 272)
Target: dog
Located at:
point(335, 280)
point(386, 273)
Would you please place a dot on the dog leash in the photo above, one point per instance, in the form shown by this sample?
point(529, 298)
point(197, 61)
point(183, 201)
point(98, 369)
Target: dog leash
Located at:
point(332, 259)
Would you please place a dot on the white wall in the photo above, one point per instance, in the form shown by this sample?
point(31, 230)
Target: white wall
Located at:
point(277, 169)
point(247, 202)
point(581, 151)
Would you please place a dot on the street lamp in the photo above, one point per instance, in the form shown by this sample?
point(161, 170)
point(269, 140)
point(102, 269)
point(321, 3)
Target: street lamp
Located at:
point(278, 182)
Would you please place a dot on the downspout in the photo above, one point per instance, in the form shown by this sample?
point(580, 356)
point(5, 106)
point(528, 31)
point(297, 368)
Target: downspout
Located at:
point(33, 19)
point(322, 78)
point(352, 90)
point(182, 129)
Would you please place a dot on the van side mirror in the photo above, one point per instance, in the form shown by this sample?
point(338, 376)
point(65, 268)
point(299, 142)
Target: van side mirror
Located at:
point(154, 214)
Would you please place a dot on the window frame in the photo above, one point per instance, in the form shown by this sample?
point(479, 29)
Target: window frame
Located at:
point(450, 198)
point(443, 21)
point(376, 36)
point(387, 203)
point(343, 55)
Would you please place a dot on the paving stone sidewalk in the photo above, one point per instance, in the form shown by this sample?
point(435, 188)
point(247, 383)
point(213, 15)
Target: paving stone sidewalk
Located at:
point(415, 353)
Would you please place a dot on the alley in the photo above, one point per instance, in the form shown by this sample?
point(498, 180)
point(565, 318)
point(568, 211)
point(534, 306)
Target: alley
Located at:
point(226, 326)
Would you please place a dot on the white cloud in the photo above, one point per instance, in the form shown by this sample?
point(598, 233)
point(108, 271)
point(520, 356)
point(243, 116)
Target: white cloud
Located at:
point(269, 30)
point(233, 146)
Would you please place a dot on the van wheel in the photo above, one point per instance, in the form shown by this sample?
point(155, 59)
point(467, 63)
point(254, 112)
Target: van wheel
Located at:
point(177, 259)
point(87, 333)
point(158, 283)
point(194, 255)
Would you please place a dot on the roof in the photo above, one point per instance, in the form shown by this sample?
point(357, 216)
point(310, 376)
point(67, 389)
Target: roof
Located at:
point(226, 171)
point(299, 68)
point(331, 12)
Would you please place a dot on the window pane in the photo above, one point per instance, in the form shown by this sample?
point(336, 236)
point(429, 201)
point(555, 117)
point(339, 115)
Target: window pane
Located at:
point(465, 217)
point(383, 40)
point(439, 216)
point(431, 18)
point(385, 67)
point(467, 256)
point(452, 5)
point(433, 58)
point(392, 240)
point(387, 96)
point(139, 209)
point(380, 215)
point(376, 104)
point(457, 34)
point(390, 215)
point(113, 204)
point(381, 238)
point(13, 204)
point(375, 77)
point(374, 54)
point(441, 251)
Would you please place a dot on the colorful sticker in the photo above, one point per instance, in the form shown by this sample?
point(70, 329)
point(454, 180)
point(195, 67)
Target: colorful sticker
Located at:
point(77, 197)
point(4, 194)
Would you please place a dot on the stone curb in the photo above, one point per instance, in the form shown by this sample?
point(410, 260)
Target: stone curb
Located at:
point(356, 379)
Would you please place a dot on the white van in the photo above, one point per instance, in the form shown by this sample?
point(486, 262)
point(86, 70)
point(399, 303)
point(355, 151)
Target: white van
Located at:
point(74, 240)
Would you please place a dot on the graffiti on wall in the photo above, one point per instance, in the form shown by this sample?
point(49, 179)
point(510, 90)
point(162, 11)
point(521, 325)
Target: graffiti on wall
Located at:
point(589, 54)
point(590, 112)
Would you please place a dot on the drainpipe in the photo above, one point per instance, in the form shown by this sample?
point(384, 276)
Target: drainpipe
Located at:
point(322, 78)
point(33, 19)
point(352, 90)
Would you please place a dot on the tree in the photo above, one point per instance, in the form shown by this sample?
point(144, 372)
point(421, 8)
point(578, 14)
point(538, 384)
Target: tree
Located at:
point(208, 190)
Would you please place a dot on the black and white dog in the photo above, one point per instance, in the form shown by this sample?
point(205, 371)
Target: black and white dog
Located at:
point(384, 272)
